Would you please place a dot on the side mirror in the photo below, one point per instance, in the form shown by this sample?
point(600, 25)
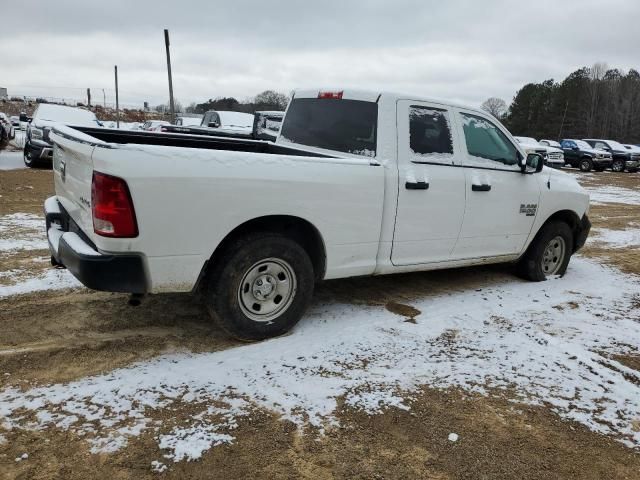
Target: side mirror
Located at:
point(213, 124)
point(575, 148)
point(533, 164)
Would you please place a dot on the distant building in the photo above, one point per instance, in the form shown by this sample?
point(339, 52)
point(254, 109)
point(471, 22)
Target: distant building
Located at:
point(3, 94)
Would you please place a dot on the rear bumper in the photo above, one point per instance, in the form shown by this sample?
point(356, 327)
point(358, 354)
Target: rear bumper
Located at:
point(582, 232)
point(71, 249)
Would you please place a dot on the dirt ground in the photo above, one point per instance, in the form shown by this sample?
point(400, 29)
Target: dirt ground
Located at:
point(60, 336)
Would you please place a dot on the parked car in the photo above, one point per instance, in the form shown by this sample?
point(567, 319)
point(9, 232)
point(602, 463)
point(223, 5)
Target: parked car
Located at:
point(188, 121)
point(15, 121)
point(266, 125)
point(554, 157)
point(357, 183)
point(579, 154)
point(7, 132)
point(154, 125)
point(38, 149)
point(550, 143)
point(621, 158)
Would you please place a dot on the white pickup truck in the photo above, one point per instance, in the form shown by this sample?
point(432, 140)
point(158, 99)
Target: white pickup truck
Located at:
point(357, 183)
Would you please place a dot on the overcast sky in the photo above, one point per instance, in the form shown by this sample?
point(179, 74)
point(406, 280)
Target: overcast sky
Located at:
point(461, 50)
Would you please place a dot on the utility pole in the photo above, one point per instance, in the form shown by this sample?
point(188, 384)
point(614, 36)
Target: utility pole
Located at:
point(104, 99)
point(117, 103)
point(171, 104)
point(88, 97)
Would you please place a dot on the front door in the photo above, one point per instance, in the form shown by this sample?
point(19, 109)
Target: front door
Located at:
point(501, 201)
point(431, 185)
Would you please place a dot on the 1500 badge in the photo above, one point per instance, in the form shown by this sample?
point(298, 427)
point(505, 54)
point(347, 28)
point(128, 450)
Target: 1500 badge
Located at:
point(529, 209)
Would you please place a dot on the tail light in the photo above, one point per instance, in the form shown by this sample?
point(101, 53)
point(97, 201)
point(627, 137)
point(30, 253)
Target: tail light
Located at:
point(334, 95)
point(112, 207)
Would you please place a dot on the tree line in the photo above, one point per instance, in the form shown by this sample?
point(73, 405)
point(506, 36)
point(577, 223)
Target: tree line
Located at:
point(267, 100)
point(592, 102)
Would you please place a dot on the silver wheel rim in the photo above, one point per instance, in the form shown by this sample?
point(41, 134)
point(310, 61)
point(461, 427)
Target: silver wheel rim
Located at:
point(267, 289)
point(617, 167)
point(553, 255)
point(585, 165)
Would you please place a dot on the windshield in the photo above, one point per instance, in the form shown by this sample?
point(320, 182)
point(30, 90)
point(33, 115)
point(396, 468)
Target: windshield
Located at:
point(527, 140)
point(347, 126)
point(582, 145)
point(616, 145)
point(236, 119)
point(67, 115)
point(552, 143)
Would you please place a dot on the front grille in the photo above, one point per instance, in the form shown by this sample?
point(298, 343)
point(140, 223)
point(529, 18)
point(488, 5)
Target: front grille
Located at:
point(556, 156)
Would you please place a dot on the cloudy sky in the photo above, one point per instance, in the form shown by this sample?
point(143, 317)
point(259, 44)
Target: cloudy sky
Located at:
point(456, 49)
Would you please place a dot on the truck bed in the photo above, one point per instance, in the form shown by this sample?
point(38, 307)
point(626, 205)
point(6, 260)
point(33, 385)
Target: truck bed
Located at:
point(192, 141)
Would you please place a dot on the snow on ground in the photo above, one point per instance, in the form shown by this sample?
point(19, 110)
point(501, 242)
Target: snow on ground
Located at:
point(11, 160)
point(612, 194)
point(549, 342)
point(22, 231)
point(629, 237)
point(25, 231)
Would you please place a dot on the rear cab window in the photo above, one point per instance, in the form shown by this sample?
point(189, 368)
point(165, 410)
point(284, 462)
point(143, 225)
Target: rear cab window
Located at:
point(341, 125)
point(487, 145)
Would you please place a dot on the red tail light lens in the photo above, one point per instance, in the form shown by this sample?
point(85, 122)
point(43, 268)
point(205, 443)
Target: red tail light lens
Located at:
point(112, 207)
point(334, 95)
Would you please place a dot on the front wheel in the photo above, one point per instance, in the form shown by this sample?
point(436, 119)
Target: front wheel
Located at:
point(261, 287)
point(548, 254)
point(29, 161)
point(586, 165)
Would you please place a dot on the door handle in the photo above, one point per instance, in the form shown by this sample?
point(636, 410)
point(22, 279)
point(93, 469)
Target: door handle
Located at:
point(416, 186)
point(481, 188)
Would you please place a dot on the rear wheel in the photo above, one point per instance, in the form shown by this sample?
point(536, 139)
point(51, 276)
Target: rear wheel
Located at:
point(549, 253)
point(617, 166)
point(585, 165)
point(261, 287)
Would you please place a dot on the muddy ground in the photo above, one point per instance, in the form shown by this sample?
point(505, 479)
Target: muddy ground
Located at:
point(59, 336)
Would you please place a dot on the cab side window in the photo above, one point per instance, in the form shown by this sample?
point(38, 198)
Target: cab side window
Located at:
point(601, 146)
point(568, 144)
point(430, 132)
point(486, 141)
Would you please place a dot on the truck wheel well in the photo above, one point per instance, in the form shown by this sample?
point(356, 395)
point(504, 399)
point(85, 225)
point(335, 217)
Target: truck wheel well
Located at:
point(296, 228)
point(568, 217)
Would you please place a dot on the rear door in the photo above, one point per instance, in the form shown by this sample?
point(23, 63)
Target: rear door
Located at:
point(431, 184)
point(501, 201)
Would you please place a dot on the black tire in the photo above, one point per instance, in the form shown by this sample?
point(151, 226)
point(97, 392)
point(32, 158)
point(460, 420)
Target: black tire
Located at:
point(29, 161)
point(585, 165)
point(533, 264)
point(617, 166)
point(225, 296)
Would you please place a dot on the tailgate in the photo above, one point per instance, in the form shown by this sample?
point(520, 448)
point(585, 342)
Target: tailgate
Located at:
point(73, 171)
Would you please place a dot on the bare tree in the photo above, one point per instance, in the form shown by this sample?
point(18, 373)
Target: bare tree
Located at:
point(495, 106)
point(271, 100)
